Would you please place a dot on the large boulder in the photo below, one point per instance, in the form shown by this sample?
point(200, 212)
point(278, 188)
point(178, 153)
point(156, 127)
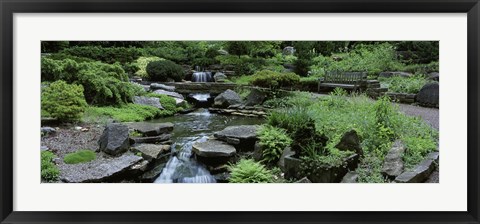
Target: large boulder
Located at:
point(101, 170)
point(227, 98)
point(48, 130)
point(156, 86)
point(168, 93)
point(255, 97)
point(429, 95)
point(213, 152)
point(350, 141)
point(393, 163)
point(151, 152)
point(151, 129)
point(114, 139)
point(288, 50)
point(149, 101)
point(391, 74)
point(219, 77)
point(242, 136)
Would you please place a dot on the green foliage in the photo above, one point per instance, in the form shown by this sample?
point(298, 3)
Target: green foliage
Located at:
point(135, 134)
point(249, 171)
point(80, 156)
point(422, 68)
point(242, 65)
point(142, 63)
point(53, 46)
point(398, 84)
point(416, 149)
point(108, 55)
point(371, 58)
point(169, 104)
point(420, 51)
point(164, 71)
point(49, 171)
point(273, 141)
point(300, 126)
point(305, 51)
point(123, 113)
point(274, 80)
point(63, 101)
point(104, 84)
point(317, 163)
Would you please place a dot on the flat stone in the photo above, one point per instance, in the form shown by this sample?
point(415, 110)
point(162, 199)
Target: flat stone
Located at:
point(420, 173)
point(148, 101)
point(156, 86)
point(247, 134)
point(238, 132)
point(213, 148)
point(168, 93)
point(151, 152)
point(151, 129)
point(393, 162)
point(100, 170)
point(304, 181)
point(152, 139)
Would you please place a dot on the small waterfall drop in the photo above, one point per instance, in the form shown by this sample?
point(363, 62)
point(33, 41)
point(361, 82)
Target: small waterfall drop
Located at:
point(182, 168)
point(202, 77)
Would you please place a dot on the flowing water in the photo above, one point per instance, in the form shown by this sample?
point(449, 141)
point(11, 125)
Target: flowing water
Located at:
point(202, 77)
point(190, 128)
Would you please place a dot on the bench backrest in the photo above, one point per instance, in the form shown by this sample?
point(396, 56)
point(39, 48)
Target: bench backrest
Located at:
point(344, 77)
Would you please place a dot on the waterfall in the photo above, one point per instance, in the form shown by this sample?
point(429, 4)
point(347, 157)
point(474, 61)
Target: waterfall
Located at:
point(202, 77)
point(182, 168)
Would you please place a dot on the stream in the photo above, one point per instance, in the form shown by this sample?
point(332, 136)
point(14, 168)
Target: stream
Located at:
point(190, 128)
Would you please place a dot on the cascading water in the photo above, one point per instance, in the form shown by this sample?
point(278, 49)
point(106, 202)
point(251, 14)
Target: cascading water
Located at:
point(190, 128)
point(202, 77)
point(181, 168)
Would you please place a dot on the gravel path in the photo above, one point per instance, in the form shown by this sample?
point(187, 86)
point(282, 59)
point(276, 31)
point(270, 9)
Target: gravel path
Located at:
point(429, 115)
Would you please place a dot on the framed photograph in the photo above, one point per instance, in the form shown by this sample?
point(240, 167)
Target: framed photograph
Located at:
point(240, 111)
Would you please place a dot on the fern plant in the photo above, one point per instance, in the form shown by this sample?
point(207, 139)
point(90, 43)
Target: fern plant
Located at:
point(249, 171)
point(273, 141)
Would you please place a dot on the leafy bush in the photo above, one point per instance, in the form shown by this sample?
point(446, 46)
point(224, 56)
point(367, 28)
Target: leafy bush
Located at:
point(273, 141)
point(371, 58)
point(274, 80)
point(142, 63)
point(249, 171)
point(316, 163)
point(63, 101)
point(108, 55)
point(300, 126)
point(104, 84)
point(124, 113)
point(242, 65)
point(165, 70)
point(80, 156)
point(422, 68)
point(49, 171)
point(169, 104)
point(403, 84)
point(416, 149)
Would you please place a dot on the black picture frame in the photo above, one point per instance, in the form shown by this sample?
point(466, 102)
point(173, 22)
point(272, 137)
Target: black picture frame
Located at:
point(9, 7)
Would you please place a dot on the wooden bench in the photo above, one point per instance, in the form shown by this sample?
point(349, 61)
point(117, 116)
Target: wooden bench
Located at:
point(344, 80)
